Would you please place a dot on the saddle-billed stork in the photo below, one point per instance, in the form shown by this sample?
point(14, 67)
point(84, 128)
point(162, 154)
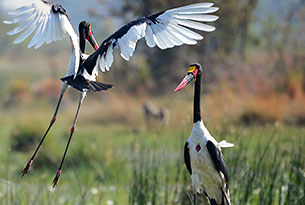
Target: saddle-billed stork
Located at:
point(202, 153)
point(49, 22)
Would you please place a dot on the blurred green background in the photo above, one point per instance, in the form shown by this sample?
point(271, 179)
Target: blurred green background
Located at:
point(253, 94)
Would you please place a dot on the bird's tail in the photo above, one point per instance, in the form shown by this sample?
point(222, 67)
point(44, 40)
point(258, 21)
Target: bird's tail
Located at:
point(225, 144)
point(84, 85)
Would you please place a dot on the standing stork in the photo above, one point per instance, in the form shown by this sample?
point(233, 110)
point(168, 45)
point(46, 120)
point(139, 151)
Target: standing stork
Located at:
point(202, 153)
point(49, 21)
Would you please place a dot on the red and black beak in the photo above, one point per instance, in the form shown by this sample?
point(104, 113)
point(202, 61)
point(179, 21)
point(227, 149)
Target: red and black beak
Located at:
point(191, 75)
point(91, 39)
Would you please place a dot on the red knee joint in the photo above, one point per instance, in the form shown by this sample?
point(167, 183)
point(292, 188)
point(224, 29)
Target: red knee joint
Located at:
point(53, 120)
point(73, 128)
point(56, 178)
point(26, 169)
point(31, 162)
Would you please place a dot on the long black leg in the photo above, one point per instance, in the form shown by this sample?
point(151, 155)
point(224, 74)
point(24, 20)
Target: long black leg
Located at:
point(82, 97)
point(30, 162)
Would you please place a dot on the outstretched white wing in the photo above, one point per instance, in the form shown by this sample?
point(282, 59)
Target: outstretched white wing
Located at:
point(165, 29)
point(48, 22)
point(171, 28)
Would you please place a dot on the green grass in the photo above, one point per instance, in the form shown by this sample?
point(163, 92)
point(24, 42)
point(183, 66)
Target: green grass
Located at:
point(126, 163)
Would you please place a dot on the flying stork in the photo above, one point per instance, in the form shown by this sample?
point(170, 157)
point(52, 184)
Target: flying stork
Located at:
point(49, 22)
point(202, 153)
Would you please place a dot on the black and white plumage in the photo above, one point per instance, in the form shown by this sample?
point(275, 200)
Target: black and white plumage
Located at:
point(165, 29)
point(48, 22)
point(202, 153)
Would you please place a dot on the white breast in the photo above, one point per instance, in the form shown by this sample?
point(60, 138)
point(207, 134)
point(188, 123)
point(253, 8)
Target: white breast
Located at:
point(203, 169)
point(94, 74)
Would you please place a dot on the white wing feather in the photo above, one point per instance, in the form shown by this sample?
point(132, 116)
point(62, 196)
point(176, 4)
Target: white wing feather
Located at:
point(174, 23)
point(46, 26)
point(127, 45)
point(172, 28)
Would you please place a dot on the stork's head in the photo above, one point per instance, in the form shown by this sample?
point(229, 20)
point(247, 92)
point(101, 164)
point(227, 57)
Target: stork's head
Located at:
point(85, 32)
point(192, 74)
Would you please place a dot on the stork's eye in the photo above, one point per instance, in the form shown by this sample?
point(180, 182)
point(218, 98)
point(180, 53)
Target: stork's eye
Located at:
point(198, 147)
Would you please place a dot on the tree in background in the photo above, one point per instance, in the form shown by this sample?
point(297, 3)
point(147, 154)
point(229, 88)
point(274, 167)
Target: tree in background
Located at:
point(154, 73)
point(231, 39)
point(233, 26)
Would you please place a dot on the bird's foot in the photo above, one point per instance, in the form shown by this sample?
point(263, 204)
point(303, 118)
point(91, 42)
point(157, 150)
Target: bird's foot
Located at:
point(27, 167)
point(56, 178)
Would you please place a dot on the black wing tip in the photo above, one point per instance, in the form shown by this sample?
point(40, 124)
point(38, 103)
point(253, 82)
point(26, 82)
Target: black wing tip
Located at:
point(218, 159)
point(187, 159)
point(83, 85)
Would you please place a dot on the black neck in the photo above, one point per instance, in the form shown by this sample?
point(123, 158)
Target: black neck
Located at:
point(82, 38)
point(197, 115)
point(82, 42)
